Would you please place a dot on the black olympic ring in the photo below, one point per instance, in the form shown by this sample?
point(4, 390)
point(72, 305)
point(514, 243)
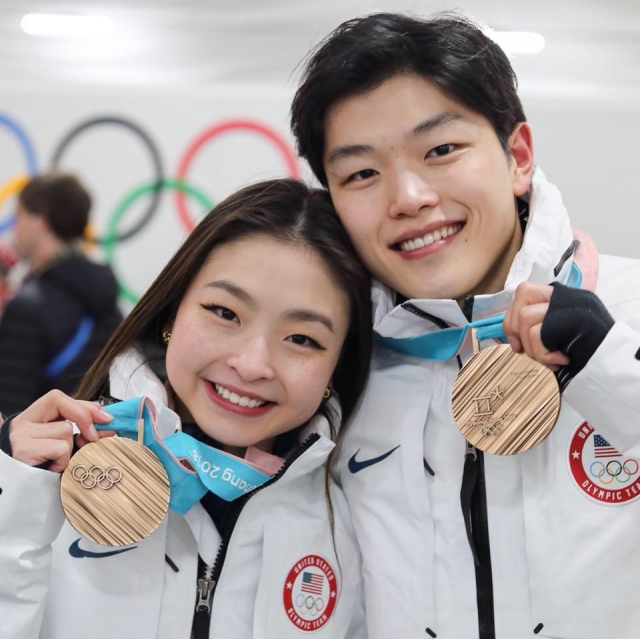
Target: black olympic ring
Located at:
point(105, 479)
point(155, 157)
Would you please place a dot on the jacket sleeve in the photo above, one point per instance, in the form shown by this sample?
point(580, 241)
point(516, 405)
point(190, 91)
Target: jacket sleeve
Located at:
point(30, 519)
point(607, 391)
point(22, 355)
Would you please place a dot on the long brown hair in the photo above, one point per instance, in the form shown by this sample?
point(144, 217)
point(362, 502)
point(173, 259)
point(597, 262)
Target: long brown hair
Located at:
point(287, 211)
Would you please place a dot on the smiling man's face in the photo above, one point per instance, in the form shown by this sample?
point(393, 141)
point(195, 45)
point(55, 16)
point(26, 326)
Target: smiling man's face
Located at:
point(425, 189)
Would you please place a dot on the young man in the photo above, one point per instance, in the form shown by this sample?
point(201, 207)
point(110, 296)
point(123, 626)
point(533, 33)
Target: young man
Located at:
point(65, 310)
point(416, 129)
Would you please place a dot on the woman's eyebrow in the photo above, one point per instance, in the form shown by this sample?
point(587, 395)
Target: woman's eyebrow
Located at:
point(233, 289)
point(304, 315)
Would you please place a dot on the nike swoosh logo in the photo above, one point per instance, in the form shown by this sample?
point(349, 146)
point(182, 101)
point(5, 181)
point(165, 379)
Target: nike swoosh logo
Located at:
point(356, 466)
point(79, 553)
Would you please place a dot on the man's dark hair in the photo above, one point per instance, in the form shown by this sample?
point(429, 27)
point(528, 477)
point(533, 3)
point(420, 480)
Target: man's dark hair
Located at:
point(361, 54)
point(61, 200)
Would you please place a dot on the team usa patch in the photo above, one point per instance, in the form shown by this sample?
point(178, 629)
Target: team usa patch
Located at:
point(310, 593)
point(600, 471)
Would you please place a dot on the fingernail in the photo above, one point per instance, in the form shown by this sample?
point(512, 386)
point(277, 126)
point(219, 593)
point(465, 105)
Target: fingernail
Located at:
point(103, 413)
point(93, 433)
point(513, 342)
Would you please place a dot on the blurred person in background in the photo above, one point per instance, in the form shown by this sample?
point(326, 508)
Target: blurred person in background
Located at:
point(66, 308)
point(8, 259)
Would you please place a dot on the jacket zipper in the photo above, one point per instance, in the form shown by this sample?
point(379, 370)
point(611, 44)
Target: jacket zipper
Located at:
point(473, 498)
point(209, 575)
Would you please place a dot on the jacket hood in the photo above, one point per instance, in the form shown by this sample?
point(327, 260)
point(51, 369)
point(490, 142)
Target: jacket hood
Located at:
point(545, 256)
point(93, 285)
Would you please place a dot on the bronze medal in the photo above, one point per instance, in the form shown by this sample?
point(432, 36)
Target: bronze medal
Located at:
point(504, 402)
point(115, 491)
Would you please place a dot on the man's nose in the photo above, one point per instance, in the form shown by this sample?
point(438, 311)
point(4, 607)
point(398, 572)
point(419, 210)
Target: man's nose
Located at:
point(411, 191)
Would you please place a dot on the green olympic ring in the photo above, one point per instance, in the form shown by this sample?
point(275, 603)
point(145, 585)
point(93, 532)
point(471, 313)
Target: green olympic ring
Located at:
point(111, 236)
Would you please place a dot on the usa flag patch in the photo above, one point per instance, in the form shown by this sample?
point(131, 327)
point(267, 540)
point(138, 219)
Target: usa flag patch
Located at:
point(600, 470)
point(310, 593)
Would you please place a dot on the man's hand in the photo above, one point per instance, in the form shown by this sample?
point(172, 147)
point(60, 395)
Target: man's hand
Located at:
point(523, 324)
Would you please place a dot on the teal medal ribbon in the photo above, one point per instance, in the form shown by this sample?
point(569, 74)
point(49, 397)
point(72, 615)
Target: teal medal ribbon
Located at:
point(193, 468)
point(445, 344)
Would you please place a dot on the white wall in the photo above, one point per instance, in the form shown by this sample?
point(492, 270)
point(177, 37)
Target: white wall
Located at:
point(586, 147)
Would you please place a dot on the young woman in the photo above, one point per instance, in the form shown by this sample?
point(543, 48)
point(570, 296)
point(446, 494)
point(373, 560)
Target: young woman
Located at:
point(252, 334)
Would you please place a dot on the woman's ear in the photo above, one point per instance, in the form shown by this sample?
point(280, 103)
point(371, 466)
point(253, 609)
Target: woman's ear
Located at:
point(521, 147)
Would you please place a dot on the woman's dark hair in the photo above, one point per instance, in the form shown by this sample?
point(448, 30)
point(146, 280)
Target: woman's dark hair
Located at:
point(287, 211)
point(361, 54)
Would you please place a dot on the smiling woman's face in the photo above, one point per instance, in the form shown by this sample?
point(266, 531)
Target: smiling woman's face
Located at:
point(255, 340)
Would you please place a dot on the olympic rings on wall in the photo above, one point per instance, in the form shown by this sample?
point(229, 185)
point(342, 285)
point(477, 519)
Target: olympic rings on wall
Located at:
point(153, 188)
point(95, 476)
point(153, 152)
point(123, 207)
point(16, 183)
point(216, 130)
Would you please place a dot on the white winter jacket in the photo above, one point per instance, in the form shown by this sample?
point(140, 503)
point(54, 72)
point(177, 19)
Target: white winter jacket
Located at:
point(563, 518)
point(55, 584)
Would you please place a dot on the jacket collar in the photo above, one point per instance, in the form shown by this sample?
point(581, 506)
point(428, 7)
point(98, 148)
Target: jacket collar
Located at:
point(130, 376)
point(544, 257)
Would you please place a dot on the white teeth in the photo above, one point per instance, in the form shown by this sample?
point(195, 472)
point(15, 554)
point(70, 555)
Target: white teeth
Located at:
point(430, 238)
point(234, 398)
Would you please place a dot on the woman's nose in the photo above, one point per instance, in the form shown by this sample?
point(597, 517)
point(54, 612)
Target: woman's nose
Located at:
point(251, 359)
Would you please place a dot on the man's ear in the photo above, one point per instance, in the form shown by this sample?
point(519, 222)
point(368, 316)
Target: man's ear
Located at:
point(521, 147)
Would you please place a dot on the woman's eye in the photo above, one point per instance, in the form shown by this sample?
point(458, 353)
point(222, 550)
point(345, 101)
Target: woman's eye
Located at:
point(441, 150)
point(222, 312)
point(304, 340)
point(358, 176)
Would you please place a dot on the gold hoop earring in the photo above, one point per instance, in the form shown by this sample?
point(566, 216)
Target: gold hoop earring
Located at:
point(327, 393)
point(166, 336)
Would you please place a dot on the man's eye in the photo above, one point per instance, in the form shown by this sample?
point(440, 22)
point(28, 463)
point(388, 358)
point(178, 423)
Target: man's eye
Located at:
point(441, 150)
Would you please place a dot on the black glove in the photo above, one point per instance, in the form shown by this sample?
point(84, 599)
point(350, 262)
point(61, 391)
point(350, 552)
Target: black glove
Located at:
point(575, 324)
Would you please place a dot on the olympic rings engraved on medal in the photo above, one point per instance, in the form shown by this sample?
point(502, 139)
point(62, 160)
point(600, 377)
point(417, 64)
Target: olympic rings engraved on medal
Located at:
point(614, 470)
point(155, 159)
point(95, 476)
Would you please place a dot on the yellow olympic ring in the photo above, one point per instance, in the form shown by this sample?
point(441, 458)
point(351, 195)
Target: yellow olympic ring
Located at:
point(13, 186)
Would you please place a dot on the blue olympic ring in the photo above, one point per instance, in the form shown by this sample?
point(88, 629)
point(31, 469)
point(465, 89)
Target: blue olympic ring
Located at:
point(29, 152)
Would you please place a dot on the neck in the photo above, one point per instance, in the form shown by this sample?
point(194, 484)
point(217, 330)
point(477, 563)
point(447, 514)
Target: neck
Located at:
point(238, 451)
point(496, 277)
point(48, 251)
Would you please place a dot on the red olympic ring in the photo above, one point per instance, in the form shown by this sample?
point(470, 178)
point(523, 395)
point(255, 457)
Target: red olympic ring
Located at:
point(216, 130)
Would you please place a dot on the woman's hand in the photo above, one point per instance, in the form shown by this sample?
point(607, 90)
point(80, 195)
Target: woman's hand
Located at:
point(44, 432)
